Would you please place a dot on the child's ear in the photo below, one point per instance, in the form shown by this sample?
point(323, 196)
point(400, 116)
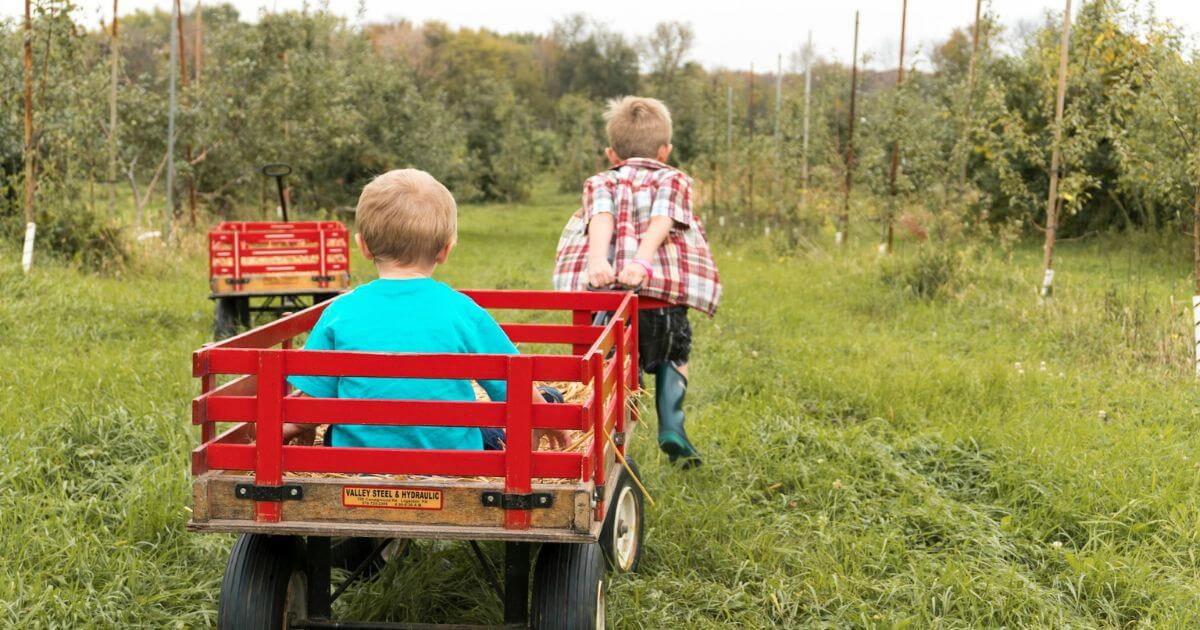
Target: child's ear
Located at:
point(445, 253)
point(362, 246)
point(612, 156)
point(664, 153)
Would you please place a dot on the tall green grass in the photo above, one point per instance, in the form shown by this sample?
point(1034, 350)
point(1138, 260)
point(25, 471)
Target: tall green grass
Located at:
point(875, 456)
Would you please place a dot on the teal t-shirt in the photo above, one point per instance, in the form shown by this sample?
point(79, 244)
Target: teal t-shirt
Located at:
point(417, 315)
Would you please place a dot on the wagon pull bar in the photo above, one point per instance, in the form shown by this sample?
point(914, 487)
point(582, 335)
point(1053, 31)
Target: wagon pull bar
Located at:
point(279, 170)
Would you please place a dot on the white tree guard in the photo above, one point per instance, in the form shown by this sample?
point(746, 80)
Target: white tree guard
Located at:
point(1048, 283)
point(27, 252)
point(1196, 328)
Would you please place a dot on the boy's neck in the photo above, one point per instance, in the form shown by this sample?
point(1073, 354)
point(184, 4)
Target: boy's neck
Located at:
point(395, 271)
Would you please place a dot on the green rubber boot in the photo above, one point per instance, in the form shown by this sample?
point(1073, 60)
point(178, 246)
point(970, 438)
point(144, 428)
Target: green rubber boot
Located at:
point(669, 389)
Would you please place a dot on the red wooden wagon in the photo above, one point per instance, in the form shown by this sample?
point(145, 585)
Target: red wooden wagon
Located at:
point(578, 506)
point(274, 267)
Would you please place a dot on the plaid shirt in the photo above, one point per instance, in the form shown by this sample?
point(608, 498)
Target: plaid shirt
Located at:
point(634, 191)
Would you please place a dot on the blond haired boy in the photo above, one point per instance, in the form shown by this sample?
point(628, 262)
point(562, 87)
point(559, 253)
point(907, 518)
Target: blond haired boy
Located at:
point(406, 223)
point(636, 228)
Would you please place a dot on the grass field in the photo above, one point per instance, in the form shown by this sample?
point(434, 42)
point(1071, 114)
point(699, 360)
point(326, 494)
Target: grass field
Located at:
point(872, 458)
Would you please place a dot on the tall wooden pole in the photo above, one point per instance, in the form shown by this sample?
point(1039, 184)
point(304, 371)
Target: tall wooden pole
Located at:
point(807, 103)
point(174, 68)
point(1196, 268)
point(750, 102)
point(969, 108)
point(728, 146)
point(891, 211)
point(778, 92)
point(199, 43)
point(778, 183)
point(750, 144)
point(114, 61)
point(183, 75)
point(729, 118)
point(1055, 158)
point(30, 226)
point(844, 226)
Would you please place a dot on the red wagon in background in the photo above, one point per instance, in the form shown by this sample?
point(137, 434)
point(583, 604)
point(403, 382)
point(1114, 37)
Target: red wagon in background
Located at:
point(296, 505)
point(274, 267)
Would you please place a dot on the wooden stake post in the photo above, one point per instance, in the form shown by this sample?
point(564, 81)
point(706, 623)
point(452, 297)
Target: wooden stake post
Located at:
point(1055, 158)
point(969, 106)
point(183, 77)
point(807, 103)
point(779, 195)
point(1196, 272)
point(750, 144)
point(844, 223)
point(171, 123)
point(886, 246)
point(30, 226)
point(114, 61)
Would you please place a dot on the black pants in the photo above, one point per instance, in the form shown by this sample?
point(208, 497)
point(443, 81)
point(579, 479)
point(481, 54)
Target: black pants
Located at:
point(493, 438)
point(664, 334)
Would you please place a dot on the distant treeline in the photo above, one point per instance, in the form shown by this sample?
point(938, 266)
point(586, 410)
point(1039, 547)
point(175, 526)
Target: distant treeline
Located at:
point(488, 112)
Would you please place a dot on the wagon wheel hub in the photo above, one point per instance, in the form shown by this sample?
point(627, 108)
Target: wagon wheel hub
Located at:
point(625, 530)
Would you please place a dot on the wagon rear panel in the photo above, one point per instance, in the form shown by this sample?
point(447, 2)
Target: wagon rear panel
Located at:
point(254, 258)
point(444, 509)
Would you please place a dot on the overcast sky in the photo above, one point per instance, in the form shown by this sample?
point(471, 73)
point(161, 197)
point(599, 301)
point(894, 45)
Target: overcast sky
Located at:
point(732, 34)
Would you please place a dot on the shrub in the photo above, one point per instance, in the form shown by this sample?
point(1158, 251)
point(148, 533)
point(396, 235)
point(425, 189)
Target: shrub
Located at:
point(929, 273)
point(83, 238)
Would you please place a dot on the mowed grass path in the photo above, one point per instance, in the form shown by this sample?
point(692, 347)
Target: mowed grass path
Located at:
point(871, 459)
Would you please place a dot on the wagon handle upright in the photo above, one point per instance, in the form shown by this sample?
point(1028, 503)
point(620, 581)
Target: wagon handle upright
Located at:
point(279, 170)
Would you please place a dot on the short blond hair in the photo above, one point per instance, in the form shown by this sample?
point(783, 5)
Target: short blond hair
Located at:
point(637, 126)
point(406, 216)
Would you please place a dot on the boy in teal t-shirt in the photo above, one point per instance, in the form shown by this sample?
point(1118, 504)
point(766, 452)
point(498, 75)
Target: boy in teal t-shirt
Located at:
point(406, 223)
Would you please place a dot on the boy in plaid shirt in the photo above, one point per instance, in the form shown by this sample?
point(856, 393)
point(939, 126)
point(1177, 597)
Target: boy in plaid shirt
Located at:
point(636, 228)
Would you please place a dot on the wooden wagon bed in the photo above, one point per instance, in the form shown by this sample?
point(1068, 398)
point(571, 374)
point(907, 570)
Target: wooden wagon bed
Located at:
point(247, 481)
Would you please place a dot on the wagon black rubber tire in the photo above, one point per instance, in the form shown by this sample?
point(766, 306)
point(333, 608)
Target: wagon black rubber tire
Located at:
point(630, 559)
point(225, 318)
point(569, 587)
point(254, 591)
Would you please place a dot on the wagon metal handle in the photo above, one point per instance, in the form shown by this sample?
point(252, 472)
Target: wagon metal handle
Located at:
point(276, 169)
point(279, 170)
point(616, 286)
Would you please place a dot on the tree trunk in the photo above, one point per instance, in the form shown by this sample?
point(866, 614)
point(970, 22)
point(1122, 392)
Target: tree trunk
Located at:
point(807, 103)
point(114, 59)
point(1196, 275)
point(27, 255)
point(844, 226)
point(200, 43)
point(1196, 239)
point(969, 106)
point(750, 144)
point(1055, 158)
point(778, 183)
point(727, 161)
point(895, 166)
point(183, 75)
point(174, 69)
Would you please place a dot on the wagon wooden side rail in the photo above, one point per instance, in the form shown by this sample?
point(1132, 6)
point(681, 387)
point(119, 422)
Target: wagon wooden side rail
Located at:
point(247, 480)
